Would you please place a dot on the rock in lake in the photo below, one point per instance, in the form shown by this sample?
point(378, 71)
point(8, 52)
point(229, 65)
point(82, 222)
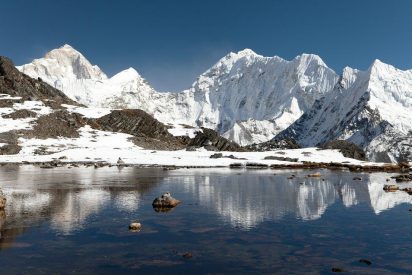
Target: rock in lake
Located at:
point(165, 201)
point(314, 175)
point(337, 269)
point(135, 226)
point(365, 261)
point(187, 255)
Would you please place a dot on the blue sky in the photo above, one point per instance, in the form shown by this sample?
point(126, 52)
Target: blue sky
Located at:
point(171, 42)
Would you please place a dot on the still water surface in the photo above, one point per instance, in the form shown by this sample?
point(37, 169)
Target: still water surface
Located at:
point(231, 221)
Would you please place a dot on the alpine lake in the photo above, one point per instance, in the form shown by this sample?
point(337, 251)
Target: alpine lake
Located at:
point(230, 221)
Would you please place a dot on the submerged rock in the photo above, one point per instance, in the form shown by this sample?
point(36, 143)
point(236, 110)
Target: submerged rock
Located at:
point(338, 269)
point(365, 261)
point(187, 255)
point(165, 201)
point(314, 175)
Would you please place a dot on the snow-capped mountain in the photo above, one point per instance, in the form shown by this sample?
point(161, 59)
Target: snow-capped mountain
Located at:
point(370, 108)
point(250, 98)
point(247, 97)
point(69, 71)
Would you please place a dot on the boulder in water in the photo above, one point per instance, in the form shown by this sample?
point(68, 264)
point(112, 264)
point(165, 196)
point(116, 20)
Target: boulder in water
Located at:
point(165, 201)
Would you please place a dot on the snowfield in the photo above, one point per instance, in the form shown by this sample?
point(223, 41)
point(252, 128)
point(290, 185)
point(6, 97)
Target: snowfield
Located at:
point(108, 147)
point(104, 146)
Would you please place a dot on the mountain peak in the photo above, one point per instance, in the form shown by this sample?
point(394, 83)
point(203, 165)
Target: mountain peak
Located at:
point(68, 47)
point(126, 75)
point(382, 70)
point(306, 58)
point(63, 62)
point(246, 52)
point(65, 50)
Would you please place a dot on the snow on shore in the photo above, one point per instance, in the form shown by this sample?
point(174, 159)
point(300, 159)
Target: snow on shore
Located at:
point(101, 146)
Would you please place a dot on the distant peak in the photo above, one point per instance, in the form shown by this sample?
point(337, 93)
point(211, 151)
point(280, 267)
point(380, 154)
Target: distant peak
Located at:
point(67, 46)
point(131, 72)
point(126, 75)
point(379, 67)
point(246, 52)
point(65, 50)
point(378, 63)
point(308, 58)
point(68, 59)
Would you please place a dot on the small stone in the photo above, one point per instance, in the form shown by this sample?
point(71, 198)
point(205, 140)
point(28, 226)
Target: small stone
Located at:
point(338, 269)
point(187, 255)
point(135, 226)
point(315, 175)
point(357, 178)
point(365, 261)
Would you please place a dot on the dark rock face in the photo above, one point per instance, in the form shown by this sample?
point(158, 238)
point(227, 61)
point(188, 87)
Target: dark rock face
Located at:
point(274, 144)
point(347, 148)
point(11, 147)
point(216, 156)
point(15, 83)
point(148, 132)
point(57, 124)
point(133, 122)
point(212, 141)
point(281, 158)
point(21, 114)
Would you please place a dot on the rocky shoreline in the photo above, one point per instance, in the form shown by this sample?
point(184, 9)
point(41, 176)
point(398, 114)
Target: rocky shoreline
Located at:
point(400, 167)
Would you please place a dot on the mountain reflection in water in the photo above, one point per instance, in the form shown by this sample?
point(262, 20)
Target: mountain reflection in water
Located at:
point(68, 197)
